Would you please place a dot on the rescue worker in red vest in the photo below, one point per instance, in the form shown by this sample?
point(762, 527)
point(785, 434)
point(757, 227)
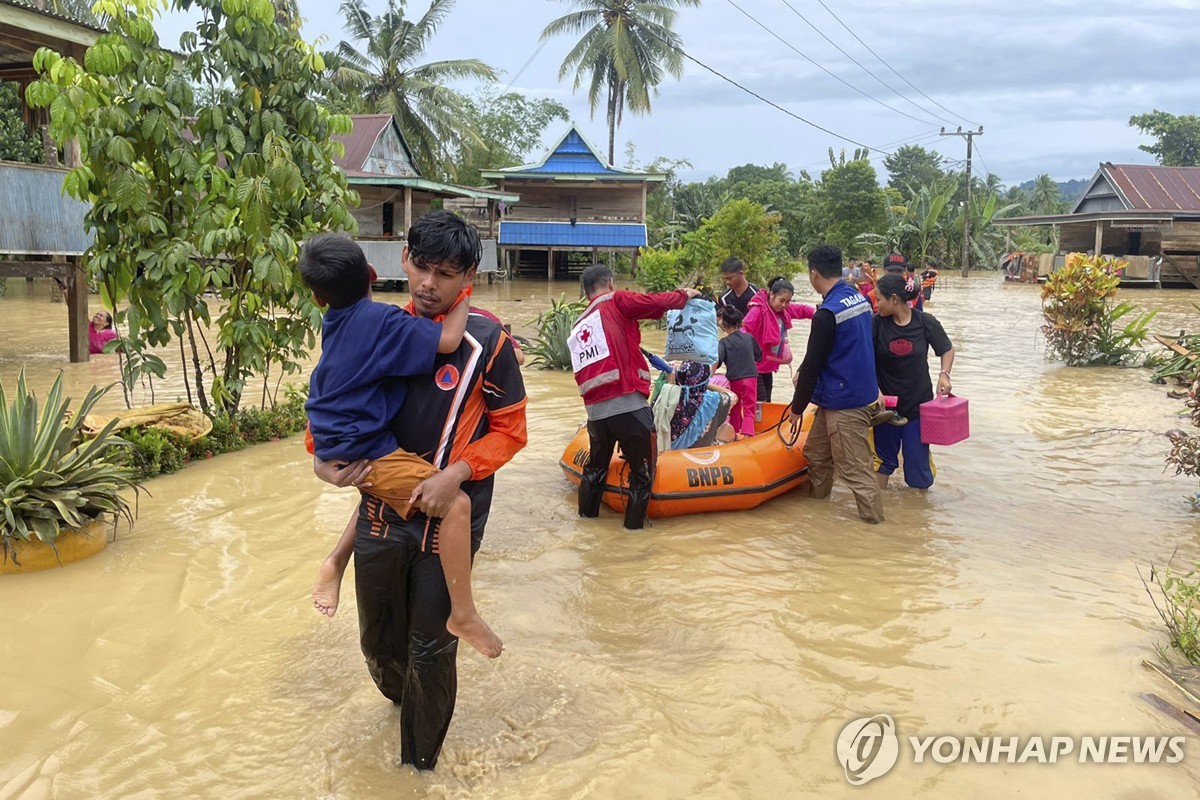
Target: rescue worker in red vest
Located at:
point(614, 379)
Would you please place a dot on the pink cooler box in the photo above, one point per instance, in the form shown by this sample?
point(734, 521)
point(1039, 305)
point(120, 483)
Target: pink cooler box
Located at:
point(944, 420)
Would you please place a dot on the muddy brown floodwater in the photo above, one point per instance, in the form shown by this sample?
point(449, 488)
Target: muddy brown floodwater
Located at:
point(716, 656)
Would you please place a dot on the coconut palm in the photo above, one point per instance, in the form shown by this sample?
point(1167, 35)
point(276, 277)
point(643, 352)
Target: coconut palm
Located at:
point(1045, 195)
point(626, 47)
point(386, 75)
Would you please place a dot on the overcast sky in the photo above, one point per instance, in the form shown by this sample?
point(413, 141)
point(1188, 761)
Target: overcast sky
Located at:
point(1052, 82)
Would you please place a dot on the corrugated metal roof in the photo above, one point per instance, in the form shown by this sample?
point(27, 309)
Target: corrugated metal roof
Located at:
point(563, 234)
point(27, 6)
point(1153, 188)
point(361, 139)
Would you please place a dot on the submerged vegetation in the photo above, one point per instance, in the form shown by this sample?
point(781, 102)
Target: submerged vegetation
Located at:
point(1176, 598)
point(52, 477)
point(1081, 314)
point(549, 348)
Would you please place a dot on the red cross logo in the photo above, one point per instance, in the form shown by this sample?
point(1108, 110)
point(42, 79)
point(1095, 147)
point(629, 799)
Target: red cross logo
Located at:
point(585, 335)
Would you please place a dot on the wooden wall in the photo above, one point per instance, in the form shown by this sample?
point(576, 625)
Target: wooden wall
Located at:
point(611, 202)
point(369, 213)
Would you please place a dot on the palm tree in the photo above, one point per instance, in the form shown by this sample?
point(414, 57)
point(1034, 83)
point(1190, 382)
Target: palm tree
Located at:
point(389, 80)
point(1045, 195)
point(625, 48)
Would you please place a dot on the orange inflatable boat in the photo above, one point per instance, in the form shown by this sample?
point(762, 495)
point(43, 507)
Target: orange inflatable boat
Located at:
point(730, 477)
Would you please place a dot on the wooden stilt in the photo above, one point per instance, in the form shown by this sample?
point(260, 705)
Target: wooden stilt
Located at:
point(77, 313)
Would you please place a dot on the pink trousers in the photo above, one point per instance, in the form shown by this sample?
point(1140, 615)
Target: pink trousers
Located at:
point(742, 418)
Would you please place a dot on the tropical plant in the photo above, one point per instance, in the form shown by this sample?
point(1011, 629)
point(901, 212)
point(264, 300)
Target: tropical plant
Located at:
point(657, 269)
point(51, 477)
point(626, 47)
point(1045, 196)
point(386, 77)
point(1078, 304)
point(1179, 593)
point(188, 198)
point(549, 347)
point(16, 142)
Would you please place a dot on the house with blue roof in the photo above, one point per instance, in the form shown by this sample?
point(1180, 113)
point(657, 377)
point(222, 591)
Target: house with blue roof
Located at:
point(572, 201)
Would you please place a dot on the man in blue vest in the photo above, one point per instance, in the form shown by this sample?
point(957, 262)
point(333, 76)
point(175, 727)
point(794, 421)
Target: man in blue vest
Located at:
point(838, 375)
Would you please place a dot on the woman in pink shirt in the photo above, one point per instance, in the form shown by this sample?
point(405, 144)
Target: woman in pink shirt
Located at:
point(768, 321)
point(100, 332)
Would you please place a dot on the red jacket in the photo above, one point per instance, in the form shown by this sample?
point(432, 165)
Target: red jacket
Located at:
point(605, 343)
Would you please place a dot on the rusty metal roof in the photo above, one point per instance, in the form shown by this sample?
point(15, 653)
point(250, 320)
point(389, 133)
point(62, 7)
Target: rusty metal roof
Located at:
point(360, 141)
point(1154, 188)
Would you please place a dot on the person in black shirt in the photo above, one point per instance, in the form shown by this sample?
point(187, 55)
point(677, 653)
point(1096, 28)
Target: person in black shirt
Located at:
point(902, 337)
point(741, 291)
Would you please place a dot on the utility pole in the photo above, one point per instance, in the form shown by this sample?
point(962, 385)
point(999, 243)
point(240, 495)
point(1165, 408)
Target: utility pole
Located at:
point(966, 249)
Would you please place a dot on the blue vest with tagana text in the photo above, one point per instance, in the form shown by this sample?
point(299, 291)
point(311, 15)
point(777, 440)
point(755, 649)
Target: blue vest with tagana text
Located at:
point(848, 378)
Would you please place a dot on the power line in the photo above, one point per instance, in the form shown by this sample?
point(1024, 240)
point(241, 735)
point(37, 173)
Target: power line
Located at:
point(533, 55)
point(831, 74)
point(889, 66)
point(758, 96)
point(863, 67)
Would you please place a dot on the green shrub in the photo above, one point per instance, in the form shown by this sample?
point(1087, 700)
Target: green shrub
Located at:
point(1179, 594)
point(1079, 308)
point(657, 270)
point(549, 348)
point(157, 452)
point(51, 477)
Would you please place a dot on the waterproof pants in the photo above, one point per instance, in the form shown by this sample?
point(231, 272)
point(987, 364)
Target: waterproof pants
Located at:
point(403, 606)
point(634, 431)
point(838, 442)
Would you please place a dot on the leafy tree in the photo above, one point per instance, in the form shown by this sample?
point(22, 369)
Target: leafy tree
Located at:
point(741, 228)
point(508, 126)
point(16, 143)
point(1178, 137)
point(626, 47)
point(912, 167)
point(189, 197)
point(663, 227)
point(384, 77)
point(850, 200)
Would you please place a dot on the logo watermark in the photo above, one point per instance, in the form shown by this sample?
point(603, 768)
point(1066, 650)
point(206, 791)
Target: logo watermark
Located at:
point(868, 748)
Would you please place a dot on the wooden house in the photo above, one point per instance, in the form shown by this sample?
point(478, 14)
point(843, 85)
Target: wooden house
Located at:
point(572, 201)
point(41, 230)
point(379, 166)
point(1147, 215)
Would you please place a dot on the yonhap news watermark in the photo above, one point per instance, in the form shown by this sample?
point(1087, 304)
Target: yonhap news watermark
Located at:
point(868, 748)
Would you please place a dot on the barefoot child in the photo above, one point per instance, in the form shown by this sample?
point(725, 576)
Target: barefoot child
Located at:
point(356, 390)
point(739, 352)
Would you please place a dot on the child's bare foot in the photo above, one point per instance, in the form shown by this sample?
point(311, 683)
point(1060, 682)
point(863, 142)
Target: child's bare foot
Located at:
point(327, 588)
point(474, 631)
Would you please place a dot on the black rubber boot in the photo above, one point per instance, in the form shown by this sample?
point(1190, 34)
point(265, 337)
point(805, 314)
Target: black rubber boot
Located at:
point(591, 492)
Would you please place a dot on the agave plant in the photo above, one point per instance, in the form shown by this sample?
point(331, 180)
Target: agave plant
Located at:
point(51, 476)
point(549, 348)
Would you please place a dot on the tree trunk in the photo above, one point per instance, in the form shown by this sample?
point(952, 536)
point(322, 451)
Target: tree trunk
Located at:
point(196, 365)
point(612, 119)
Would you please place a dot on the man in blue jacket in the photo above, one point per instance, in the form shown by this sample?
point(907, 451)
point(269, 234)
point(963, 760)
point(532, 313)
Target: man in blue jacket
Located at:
point(838, 375)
